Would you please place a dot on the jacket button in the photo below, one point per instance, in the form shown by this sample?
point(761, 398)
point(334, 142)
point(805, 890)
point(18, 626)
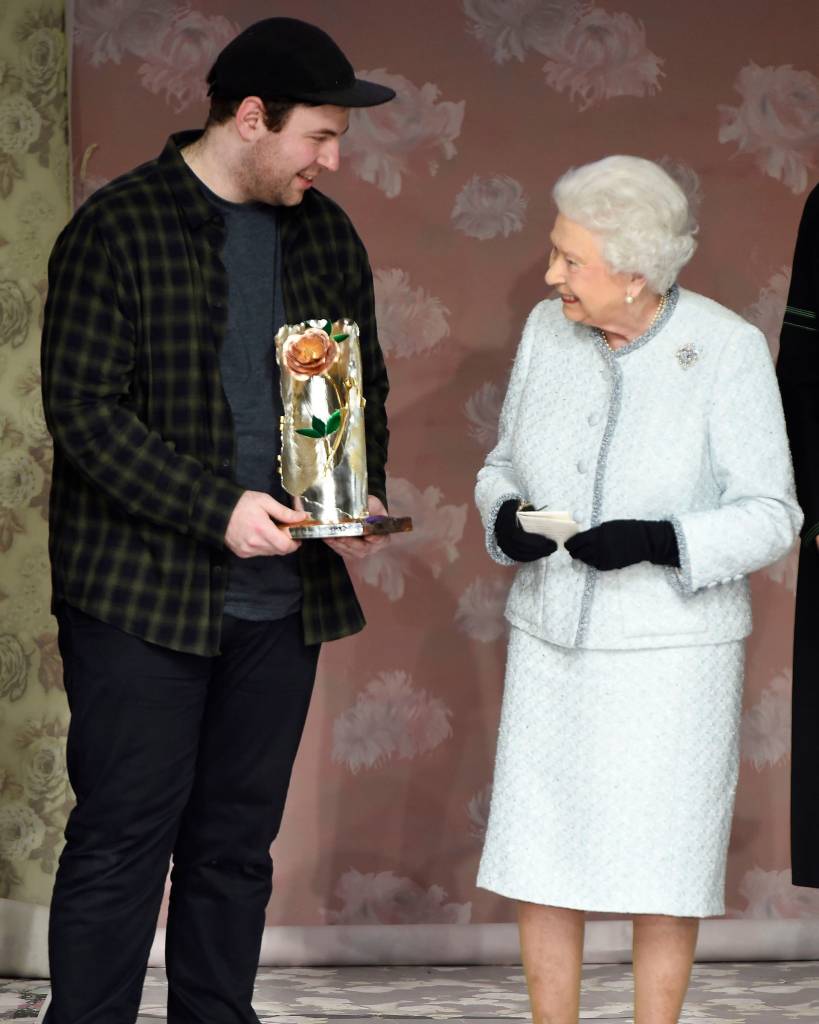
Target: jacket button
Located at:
point(594, 419)
point(582, 466)
point(577, 565)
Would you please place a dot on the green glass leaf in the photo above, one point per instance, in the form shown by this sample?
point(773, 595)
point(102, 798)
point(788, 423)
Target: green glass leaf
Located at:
point(320, 426)
point(334, 422)
point(328, 326)
point(308, 432)
point(340, 337)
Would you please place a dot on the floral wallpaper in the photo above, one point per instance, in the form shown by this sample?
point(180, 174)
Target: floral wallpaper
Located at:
point(449, 187)
point(34, 793)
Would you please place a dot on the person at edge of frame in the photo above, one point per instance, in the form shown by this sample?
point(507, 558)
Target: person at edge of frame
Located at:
point(798, 371)
point(190, 621)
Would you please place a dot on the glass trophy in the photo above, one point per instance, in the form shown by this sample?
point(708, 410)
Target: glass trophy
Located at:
point(323, 460)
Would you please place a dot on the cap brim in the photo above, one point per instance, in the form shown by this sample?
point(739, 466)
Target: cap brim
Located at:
point(359, 94)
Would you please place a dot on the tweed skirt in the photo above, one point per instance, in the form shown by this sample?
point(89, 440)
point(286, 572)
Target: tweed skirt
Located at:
point(615, 778)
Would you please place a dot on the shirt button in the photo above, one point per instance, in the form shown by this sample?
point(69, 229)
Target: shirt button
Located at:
point(217, 570)
point(225, 463)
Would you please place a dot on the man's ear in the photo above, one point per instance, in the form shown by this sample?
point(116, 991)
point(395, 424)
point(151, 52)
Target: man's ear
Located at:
point(249, 118)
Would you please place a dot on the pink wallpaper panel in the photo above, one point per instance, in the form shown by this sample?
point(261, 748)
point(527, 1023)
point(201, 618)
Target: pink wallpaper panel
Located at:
point(449, 187)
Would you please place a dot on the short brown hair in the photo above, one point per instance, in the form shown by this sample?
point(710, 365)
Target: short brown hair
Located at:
point(276, 112)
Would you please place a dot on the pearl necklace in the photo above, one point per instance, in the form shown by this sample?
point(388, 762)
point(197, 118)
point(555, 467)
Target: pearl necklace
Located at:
point(658, 312)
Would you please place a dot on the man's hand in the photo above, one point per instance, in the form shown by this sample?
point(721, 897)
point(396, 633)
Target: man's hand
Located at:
point(360, 547)
point(252, 531)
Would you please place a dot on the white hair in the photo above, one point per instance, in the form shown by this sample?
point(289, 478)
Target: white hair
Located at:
point(638, 212)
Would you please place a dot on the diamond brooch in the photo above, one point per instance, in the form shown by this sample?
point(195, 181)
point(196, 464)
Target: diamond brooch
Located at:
point(687, 356)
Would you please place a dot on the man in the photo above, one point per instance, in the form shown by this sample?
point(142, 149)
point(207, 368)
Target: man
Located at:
point(189, 620)
point(798, 372)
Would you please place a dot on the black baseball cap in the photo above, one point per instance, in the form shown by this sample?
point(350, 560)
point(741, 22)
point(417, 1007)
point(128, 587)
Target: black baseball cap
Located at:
point(284, 58)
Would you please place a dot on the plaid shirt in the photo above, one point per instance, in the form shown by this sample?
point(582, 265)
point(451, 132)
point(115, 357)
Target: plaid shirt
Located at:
point(143, 436)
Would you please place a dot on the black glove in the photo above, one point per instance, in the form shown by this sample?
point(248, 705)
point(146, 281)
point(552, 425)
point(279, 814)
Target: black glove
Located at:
point(514, 541)
point(622, 542)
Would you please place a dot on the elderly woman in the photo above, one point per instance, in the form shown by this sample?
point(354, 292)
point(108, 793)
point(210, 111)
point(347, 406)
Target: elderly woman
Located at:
point(650, 414)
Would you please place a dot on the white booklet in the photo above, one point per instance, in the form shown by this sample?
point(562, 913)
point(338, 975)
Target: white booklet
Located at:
point(559, 526)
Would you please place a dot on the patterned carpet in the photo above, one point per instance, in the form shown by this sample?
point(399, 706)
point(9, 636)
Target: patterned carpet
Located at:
point(758, 993)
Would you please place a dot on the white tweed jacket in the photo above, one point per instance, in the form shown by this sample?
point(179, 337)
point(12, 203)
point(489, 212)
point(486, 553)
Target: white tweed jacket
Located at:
point(685, 424)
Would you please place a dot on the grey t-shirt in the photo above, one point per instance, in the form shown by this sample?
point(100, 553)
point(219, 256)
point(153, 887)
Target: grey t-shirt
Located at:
point(264, 587)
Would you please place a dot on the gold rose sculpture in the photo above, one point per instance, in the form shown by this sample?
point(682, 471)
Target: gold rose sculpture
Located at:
point(323, 461)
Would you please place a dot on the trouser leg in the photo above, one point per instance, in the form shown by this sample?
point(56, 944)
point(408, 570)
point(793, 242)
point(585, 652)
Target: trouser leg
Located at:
point(135, 717)
point(222, 875)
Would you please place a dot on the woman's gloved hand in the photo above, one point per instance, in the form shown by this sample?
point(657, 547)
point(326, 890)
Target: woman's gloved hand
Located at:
point(514, 541)
point(622, 542)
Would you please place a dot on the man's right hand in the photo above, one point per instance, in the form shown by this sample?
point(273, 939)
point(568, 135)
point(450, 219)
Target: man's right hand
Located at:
point(252, 531)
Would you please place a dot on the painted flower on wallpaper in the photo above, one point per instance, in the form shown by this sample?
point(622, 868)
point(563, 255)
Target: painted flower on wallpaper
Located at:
point(382, 140)
point(601, 56)
point(478, 812)
point(386, 898)
point(15, 313)
point(20, 124)
point(43, 61)
point(480, 609)
point(688, 180)
point(178, 62)
point(44, 770)
point(50, 671)
point(20, 479)
point(771, 894)
point(482, 410)
point(489, 207)
point(766, 725)
point(33, 422)
point(785, 571)
point(777, 121)
point(390, 718)
point(437, 531)
point(30, 610)
point(21, 831)
point(410, 321)
point(14, 665)
point(508, 28)
point(38, 223)
point(769, 309)
point(107, 30)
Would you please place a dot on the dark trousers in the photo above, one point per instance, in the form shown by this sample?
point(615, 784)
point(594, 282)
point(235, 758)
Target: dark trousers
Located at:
point(173, 755)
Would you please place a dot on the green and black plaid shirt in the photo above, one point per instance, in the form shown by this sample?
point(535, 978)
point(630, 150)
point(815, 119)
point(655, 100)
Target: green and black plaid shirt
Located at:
point(143, 435)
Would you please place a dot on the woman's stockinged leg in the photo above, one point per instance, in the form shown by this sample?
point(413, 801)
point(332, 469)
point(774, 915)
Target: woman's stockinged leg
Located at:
point(663, 956)
point(551, 942)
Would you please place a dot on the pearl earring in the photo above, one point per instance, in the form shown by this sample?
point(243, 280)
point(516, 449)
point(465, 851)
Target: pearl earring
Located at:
point(629, 299)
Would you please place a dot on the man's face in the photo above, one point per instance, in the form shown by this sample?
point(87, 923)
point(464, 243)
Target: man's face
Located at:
point(281, 166)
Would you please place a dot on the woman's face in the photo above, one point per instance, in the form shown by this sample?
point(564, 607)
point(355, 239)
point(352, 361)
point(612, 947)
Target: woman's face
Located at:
point(590, 292)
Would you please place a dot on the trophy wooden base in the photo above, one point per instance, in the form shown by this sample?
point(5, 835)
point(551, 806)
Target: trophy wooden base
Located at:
point(369, 526)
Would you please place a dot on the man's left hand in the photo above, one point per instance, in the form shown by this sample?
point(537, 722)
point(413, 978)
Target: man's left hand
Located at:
point(360, 547)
